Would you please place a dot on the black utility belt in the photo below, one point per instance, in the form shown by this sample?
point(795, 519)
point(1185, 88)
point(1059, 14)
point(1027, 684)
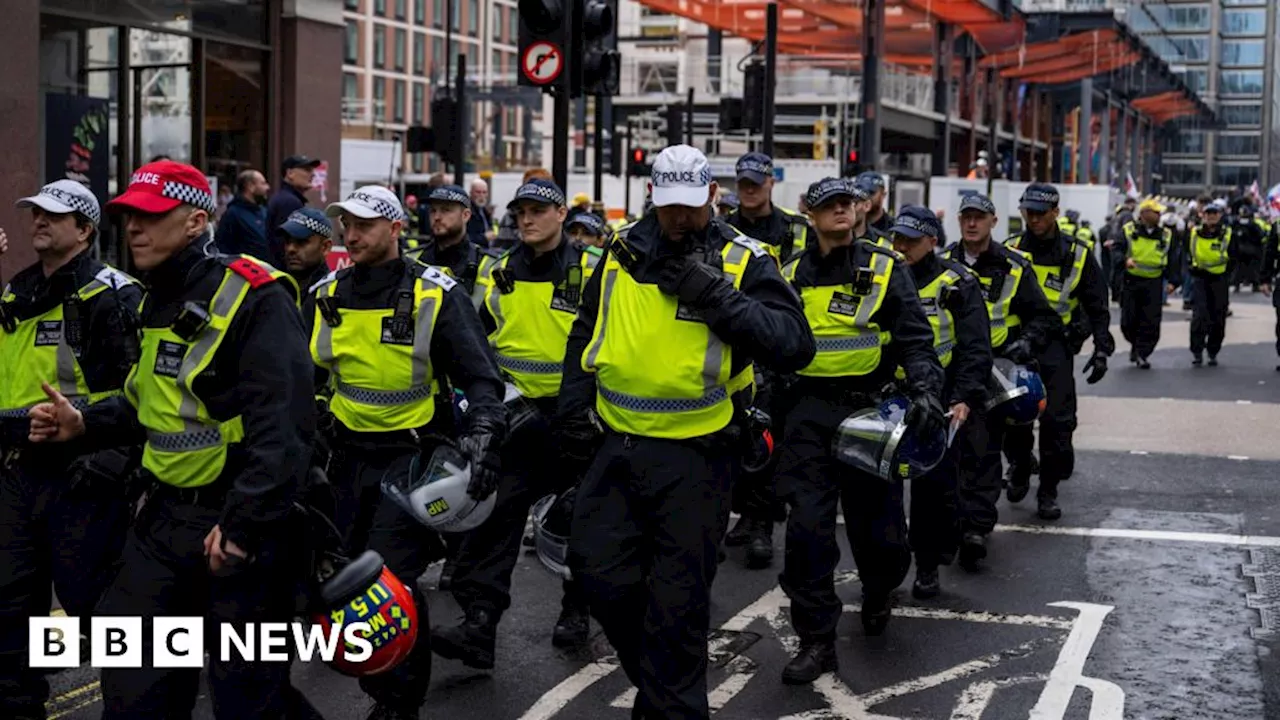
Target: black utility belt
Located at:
point(209, 495)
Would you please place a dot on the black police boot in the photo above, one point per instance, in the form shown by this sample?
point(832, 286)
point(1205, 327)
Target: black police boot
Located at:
point(1197, 360)
point(446, 574)
point(814, 659)
point(573, 628)
point(390, 712)
point(1144, 364)
point(740, 534)
point(1048, 509)
point(973, 547)
point(760, 548)
point(926, 585)
point(1017, 482)
point(1213, 361)
point(875, 614)
point(472, 641)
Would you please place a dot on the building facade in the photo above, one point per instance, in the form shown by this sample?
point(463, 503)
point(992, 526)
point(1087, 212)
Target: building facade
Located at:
point(96, 88)
point(1226, 50)
point(398, 53)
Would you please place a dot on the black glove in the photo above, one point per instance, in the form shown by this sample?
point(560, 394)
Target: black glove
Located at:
point(577, 437)
point(1019, 351)
point(925, 417)
point(1095, 368)
point(481, 448)
point(694, 283)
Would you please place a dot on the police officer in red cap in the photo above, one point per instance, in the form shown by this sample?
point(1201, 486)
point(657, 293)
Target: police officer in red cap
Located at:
point(221, 400)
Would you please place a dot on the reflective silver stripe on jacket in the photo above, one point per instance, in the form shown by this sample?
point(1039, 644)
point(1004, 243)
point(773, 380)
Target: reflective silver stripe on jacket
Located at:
point(420, 379)
point(998, 318)
point(946, 334)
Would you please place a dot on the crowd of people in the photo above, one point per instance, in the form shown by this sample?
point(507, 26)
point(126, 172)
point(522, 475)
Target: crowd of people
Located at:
point(169, 440)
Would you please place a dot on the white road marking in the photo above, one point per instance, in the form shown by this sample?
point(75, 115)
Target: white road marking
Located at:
point(973, 700)
point(1139, 452)
point(626, 700)
point(555, 699)
point(1106, 698)
point(1237, 457)
point(1154, 535)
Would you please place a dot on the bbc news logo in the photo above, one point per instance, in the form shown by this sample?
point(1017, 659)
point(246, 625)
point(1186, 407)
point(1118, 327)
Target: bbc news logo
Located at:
point(179, 642)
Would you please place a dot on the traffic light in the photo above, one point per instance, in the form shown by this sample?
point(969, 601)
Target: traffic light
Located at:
point(545, 51)
point(596, 61)
point(675, 124)
point(753, 97)
point(851, 167)
point(638, 163)
point(614, 163)
point(444, 121)
point(730, 114)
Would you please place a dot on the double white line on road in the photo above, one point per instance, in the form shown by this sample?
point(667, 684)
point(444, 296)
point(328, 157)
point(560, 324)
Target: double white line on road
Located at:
point(1153, 535)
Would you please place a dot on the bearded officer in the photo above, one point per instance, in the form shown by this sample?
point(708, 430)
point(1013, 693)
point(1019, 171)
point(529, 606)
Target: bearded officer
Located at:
point(662, 349)
point(381, 332)
point(785, 233)
point(448, 247)
point(527, 299)
point(222, 398)
point(1071, 279)
point(862, 306)
point(69, 321)
point(1022, 326)
point(953, 302)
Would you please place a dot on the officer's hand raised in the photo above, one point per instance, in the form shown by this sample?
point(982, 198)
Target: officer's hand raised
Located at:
point(689, 280)
point(56, 420)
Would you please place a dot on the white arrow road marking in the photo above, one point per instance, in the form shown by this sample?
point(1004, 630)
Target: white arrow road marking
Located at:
point(1068, 672)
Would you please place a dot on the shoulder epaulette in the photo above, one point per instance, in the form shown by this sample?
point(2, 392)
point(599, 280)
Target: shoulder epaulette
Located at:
point(113, 278)
point(328, 278)
point(256, 274)
point(873, 247)
point(433, 274)
point(751, 244)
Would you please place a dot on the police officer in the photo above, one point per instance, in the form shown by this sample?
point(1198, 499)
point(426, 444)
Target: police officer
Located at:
point(67, 320)
point(1068, 273)
point(527, 300)
point(381, 332)
point(1146, 264)
point(872, 183)
point(662, 349)
point(449, 248)
point(1022, 326)
point(785, 233)
point(952, 299)
point(1209, 254)
point(862, 306)
point(588, 231)
point(222, 398)
point(308, 237)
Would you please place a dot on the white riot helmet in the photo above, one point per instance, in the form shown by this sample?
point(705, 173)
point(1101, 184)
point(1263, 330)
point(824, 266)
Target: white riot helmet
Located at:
point(552, 517)
point(436, 495)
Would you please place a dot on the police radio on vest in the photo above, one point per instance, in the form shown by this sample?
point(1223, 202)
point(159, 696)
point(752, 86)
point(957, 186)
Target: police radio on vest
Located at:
point(117, 642)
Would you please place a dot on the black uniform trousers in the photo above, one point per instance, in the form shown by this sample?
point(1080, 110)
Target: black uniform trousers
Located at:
point(1057, 424)
point(1141, 311)
point(488, 554)
point(813, 482)
point(647, 525)
point(1209, 302)
point(935, 517)
point(164, 572)
point(53, 534)
point(981, 475)
point(371, 521)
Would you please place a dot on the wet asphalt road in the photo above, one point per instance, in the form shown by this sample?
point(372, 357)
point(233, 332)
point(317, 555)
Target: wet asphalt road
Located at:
point(1156, 596)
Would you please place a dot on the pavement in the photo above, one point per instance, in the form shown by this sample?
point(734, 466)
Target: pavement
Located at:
point(1156, 596)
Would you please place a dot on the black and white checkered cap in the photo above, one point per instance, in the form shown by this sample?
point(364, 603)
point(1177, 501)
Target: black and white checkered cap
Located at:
point(61, 197)
point(830, 188)
point(189, 195)
point(369, 202)
point(306, 218)
point(449, 193)
point(539, 190)
point(979, 202)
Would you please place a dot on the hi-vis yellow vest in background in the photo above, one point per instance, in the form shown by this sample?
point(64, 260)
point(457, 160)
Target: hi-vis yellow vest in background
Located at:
point(1058, 289)
point(533, 322)
point(660, 371)
point(37, 351)
point(940, 318)
point(380, 382)
point(186, 446)
point(1150, 255)
point(1210, 254)
point(849, 343)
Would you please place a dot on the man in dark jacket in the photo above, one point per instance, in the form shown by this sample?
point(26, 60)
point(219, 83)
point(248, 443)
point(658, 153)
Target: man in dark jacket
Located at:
point(243, 228)
point(296, 172)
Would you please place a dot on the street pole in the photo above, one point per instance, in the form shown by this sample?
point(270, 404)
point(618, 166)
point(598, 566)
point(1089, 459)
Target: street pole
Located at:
point(448, 39)
point(460, 131)
point(770, 73)
point(688, 123)
point(597, 141)
point(560, 138)
point(626, 172)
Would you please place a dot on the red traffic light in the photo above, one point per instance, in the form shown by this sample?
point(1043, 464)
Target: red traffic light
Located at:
point(637, 155)
point(853, 156)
